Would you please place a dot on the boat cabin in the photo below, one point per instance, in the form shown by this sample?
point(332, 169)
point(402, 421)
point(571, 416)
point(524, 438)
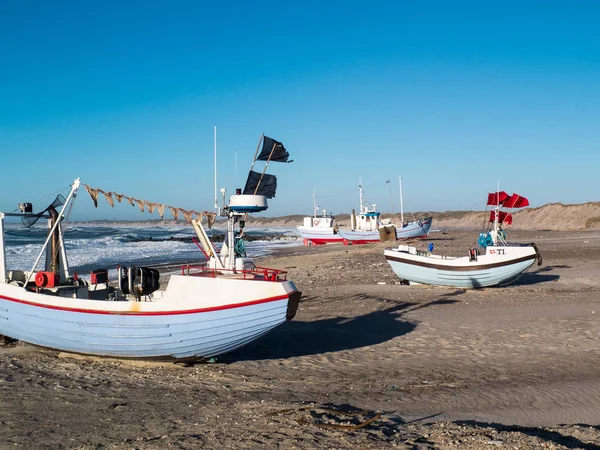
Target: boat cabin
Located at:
point(324, 221)
point(365, 221)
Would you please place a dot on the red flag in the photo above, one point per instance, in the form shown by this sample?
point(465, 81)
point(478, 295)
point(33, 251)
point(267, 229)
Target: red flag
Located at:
point(503, 218)
point(496, 198)
point(516, 201)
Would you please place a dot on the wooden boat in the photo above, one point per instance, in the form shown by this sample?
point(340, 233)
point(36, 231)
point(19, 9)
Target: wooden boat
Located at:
point(204, 311)
point(500, 263)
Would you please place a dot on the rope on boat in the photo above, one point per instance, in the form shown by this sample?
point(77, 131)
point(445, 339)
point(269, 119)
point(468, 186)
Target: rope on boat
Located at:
point(239, 247)
point(539, 255)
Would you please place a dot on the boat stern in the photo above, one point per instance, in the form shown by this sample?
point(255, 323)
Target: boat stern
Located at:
point(292, 307)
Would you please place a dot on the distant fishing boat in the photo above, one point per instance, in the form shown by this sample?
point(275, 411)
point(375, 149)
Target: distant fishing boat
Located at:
point(500, 263)
point(204, 311)
point(366, 226)
point(417, 228)
point(320, 228)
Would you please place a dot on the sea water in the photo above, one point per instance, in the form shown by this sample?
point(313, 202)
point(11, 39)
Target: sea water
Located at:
point(93, 246)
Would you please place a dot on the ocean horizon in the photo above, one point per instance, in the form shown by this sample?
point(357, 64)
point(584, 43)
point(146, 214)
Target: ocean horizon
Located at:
point(92, 245)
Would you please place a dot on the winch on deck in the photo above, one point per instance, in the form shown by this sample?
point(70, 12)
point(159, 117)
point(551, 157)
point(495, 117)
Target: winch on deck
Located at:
point(138, 281)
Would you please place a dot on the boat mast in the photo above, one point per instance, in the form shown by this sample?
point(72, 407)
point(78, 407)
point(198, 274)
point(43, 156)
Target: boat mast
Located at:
point(391, 199)
point(401, 207)
point(494, 233)
point(74, 188)
point(215, 145)
point(497, 206)
point(360, 196)
point(235, 171)
point(2, 250)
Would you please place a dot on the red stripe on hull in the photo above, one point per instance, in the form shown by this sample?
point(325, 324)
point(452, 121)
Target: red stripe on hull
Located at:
point(151, 313)
point(360, 241)
point(322, 241)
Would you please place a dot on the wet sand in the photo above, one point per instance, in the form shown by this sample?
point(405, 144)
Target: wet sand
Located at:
point(366, 363)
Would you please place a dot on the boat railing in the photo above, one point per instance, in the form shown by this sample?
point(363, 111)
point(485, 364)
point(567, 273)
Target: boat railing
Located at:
point(263, 273)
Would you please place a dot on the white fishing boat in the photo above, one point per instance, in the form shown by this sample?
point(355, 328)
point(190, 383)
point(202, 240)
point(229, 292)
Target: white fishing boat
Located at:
point(205, 310)
point(320, 228)
point(500, 263)
point(367, 226)
point(418, 228)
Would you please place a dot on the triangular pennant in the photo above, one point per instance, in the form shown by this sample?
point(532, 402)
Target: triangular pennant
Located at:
point(109, 198)
point(93, 193)
point(210, 219)
point(187, 215)
point(174, 212)
point(141, 204)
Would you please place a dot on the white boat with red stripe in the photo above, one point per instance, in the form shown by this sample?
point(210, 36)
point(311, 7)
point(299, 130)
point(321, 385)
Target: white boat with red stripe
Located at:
point(204, 311)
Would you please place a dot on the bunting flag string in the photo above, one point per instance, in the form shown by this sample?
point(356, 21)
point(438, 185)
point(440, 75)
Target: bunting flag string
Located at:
point(145, 205)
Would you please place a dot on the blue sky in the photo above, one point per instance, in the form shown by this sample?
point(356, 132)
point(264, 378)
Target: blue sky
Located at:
point(452, 96)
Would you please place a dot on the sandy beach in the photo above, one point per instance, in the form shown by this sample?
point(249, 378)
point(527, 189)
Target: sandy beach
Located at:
point(366, 363)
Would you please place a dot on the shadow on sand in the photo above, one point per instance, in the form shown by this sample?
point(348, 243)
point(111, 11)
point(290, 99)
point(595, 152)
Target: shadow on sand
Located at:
point(539, 276)
point(390, 424)
point(298, 338)
point(547, 436)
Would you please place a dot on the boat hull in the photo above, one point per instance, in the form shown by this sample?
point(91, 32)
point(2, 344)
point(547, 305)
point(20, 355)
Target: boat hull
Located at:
point(319, 236)
point(359, 237)
point(194, 318)
point(499, 265)
point(417, 229)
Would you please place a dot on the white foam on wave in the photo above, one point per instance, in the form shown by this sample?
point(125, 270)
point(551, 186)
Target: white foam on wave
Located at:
point(109, 252)
point(104, 246)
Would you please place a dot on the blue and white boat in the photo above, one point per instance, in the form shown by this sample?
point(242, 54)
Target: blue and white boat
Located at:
point(501, 262)
point(419, 228)
point(204, 311)
point(364, 226)
point(367, 226)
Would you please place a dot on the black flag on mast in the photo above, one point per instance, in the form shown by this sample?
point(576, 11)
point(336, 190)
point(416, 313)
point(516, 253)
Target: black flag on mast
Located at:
point(273, 150)
point(261, 184)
